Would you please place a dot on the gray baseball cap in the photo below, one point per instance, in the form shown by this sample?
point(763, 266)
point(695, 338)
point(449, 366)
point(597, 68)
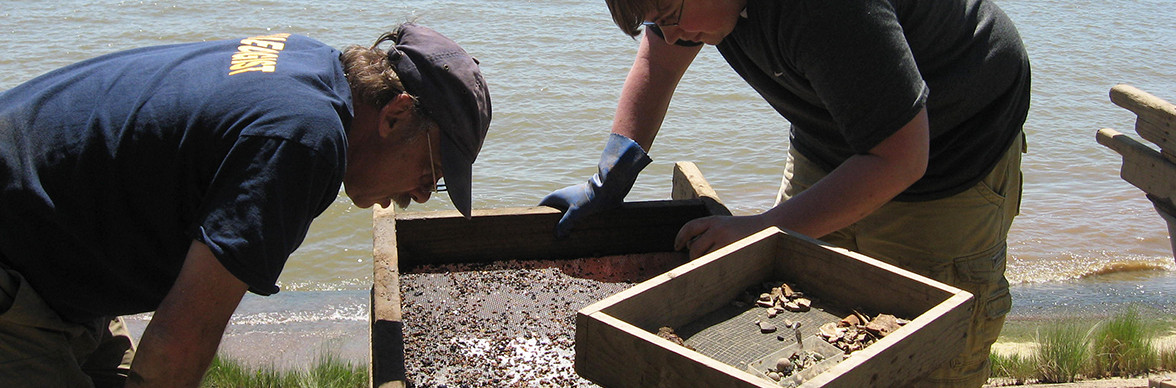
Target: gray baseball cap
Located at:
point(449, 85)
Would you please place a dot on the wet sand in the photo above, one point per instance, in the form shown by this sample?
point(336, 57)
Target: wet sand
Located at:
point(290, 330)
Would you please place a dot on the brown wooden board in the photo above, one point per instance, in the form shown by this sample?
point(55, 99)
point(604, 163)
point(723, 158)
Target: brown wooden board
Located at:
point(616, 347)
point(1156, 118)
point(406, 240)
point(387, 347)
point(1152, 171)
point(1162, 381)
point(529, 233)
point(688, 183)
point(1143, 167)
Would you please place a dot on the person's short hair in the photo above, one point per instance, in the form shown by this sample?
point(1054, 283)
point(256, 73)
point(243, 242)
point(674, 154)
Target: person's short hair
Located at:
point(447, 89)
point(370, 75)
point(630, 14)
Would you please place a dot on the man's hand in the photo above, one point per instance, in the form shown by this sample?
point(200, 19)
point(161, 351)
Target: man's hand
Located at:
point(855, 189)
point(642, 105)
point(184, 332)
point(705, 235)
point(620, 163)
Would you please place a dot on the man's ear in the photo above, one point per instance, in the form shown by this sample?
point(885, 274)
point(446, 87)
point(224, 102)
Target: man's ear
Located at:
point(400, 108)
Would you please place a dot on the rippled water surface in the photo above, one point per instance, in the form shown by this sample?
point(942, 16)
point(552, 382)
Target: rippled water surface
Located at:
point(555, 69)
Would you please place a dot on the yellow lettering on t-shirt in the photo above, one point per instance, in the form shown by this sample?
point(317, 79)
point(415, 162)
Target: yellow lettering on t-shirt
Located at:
point(247, 64)
point(249, 57)
point(265, 69)
point(258, 53)
point(255, 49)
point(264, 43)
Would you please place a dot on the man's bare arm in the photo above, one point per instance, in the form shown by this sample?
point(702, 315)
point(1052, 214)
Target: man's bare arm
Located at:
point(184, 332)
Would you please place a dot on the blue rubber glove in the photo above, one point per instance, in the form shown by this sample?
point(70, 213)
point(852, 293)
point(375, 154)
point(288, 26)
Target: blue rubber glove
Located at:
point(619, 165)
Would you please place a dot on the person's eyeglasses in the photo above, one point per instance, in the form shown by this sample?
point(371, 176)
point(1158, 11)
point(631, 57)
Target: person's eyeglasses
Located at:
point(664, 23)
point(438, 186)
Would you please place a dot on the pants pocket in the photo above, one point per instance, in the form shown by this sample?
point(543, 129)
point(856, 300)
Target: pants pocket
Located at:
point(983, 275)
point(985, 267)
point(999, 303)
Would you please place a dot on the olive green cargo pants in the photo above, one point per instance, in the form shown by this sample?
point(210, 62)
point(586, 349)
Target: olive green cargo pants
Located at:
point(958, 240)
point(39, 349)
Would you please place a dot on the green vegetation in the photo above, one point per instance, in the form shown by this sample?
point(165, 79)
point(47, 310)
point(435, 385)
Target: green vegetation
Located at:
point(1075, 348)
point(1019, 369)
point(327, 372)
point(1167, 359)
point(1061, 352)
point(1123, 347)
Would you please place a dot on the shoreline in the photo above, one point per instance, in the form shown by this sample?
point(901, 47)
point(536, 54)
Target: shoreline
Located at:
point(290, 331)
point(294, 327)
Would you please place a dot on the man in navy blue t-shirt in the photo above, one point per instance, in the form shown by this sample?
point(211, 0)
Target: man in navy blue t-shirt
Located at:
point(175, 178)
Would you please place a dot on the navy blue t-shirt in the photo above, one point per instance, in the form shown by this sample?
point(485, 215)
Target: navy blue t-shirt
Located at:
point(111, 167)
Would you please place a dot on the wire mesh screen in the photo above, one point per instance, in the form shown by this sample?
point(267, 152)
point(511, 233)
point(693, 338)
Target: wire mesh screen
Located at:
point(508, 323)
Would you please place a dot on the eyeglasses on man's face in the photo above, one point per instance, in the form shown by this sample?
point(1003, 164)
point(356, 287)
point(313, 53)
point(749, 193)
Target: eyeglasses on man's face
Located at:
point(677, 17)
point(437, 186)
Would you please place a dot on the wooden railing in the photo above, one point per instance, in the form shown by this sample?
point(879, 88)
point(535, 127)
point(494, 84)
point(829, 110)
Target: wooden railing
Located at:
point(1152, 171)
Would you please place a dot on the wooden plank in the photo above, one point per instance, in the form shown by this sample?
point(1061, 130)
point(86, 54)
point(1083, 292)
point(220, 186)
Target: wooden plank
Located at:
point(1142, 165)
point(853, 279)
point(405, 240)
point(940, 311)
point(688, 183)
point(1162, 381)
point(1157, 118)
point(694, 289)
point(1155, 133)
point(387, 333)
point(613, 353)
point(914, 350)
point(615, 345)
point(529, 233)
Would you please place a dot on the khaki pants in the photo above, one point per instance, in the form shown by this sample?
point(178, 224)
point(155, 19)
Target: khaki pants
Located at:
point(39, 349)
point(959, 240)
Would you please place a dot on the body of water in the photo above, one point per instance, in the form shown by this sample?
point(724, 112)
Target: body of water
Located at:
point(1085, 239)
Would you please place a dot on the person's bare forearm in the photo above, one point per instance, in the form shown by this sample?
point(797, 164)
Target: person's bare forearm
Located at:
point(173, 358)
point(648, 89)
point(843, 197)
point(186, 329)
point(860, 185)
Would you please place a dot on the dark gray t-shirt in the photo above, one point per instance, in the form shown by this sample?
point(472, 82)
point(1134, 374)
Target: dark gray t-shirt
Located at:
point(847, 74)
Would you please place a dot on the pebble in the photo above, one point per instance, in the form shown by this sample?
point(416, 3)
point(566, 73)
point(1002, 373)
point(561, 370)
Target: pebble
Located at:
point(784, 365)
point(506, 324)
point(765, 300)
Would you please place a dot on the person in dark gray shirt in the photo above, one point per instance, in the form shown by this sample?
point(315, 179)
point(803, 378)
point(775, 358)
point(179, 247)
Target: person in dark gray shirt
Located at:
point(906, 133)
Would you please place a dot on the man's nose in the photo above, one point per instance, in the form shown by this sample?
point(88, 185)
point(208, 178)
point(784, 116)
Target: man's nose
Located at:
point(671, 34)
point(420, 195)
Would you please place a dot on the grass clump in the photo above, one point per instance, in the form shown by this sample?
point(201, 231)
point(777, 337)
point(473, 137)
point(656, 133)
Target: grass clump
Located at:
point(329, 371)
point(1167, 359)
point(1063, 350)
point(1116, 346)
point(1020, 369)
point(1122, 347)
